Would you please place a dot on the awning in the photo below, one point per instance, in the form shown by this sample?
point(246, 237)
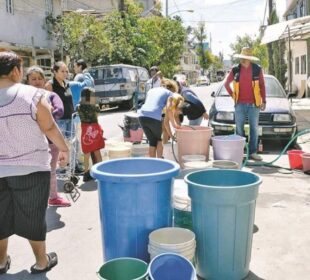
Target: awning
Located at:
point(297, 29)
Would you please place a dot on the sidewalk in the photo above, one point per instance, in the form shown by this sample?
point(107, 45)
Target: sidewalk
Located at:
point(280, 249)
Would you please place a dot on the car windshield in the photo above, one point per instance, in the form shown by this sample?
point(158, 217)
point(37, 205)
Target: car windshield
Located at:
point(273, 89)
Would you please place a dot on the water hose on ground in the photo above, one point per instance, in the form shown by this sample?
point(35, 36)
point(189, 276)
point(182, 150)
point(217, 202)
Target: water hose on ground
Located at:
point(271, 163)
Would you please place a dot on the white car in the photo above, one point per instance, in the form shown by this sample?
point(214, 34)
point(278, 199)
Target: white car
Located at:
point(203, 81)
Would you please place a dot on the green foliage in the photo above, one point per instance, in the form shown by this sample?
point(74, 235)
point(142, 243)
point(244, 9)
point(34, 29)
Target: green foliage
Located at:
point(259, 50)
point(201, 37)
point(122, 37)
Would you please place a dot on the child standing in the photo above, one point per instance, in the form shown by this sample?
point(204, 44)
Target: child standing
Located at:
point(92, 134)
point(35, 77)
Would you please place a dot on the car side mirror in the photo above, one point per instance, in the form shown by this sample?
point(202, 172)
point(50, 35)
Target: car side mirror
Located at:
point(213, 94)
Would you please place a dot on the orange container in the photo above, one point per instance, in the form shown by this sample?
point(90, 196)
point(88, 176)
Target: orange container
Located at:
point(295, 160)
point(193, 140)
point(305, 161)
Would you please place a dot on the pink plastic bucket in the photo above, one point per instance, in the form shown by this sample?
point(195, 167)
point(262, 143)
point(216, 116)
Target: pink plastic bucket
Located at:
point(295, 160)
point(193, 140)
point(305, 161)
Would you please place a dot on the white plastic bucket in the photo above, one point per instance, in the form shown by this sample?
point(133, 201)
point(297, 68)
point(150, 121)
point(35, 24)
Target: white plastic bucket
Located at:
point(119, 152)
point(174, 240)
point(225, 164)
point(191, 158)
point(168, 152)
point(140, 150)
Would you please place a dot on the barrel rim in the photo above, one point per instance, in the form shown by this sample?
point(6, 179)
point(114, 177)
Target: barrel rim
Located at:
point(231, 187)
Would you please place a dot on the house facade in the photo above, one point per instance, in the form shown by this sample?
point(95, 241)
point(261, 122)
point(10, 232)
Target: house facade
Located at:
point(299, 44)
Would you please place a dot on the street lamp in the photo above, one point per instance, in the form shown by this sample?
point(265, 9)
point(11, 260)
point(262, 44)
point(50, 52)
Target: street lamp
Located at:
point(188, 11)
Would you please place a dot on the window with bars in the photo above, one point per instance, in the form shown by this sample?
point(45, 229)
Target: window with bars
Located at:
point(303, 64)
point(9, 6)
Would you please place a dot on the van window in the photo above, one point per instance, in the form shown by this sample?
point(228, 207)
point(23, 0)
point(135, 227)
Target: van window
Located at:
point(143, 75)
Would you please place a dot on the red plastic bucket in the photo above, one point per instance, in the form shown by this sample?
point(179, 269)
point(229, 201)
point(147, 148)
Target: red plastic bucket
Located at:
point(295, 160)
point(306, 161)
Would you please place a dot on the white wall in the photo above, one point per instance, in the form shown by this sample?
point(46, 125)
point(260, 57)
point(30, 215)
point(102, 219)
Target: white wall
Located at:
point(298, 48)
point(27, 21)
point(103, 6)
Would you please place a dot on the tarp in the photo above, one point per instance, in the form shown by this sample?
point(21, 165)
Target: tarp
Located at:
point(298, 28)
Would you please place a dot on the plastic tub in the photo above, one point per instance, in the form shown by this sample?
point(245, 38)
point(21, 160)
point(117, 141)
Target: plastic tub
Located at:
point(123, 269)
point(171, 267)
point(191, 158)
point(134, 200)
point(193, 140)
point(295, 160)
point(223, 210)
point(225, 164)
point(305, 161)
point(229, 147)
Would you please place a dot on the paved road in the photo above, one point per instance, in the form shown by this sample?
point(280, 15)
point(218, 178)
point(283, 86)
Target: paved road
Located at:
point(281, 244)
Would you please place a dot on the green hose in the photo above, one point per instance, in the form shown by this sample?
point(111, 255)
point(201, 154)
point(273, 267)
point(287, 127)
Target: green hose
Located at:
point(246, 163)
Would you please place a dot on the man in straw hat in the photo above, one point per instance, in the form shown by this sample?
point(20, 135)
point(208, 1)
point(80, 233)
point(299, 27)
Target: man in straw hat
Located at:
point(249, 95)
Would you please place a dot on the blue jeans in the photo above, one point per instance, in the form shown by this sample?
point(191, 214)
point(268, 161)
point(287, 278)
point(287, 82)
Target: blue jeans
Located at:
point(196, 121)
point(65, 127)
point(242, 111)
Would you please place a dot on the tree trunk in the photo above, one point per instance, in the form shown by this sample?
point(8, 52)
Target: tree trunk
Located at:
point(269, 46)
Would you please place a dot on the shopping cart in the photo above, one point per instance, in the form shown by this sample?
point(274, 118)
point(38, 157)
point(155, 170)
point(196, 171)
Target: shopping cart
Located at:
point(67, 174)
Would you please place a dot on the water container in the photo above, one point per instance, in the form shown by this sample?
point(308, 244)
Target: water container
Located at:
point(170, 266)
point(172, 240)
point(182, 213)
point(228, 147)
point(140, 150)
point(225, 164)
point(193, 140)
point(191, 158)
point(132, 130)
point(305, 161)
point(295, 160)
point(223, 208)
point(169, 152)
point(134, 200)
point(119, 152)
point(123, 269)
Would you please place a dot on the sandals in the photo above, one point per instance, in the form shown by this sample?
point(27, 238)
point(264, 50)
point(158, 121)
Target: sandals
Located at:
point(52, 261)
point(7, 266)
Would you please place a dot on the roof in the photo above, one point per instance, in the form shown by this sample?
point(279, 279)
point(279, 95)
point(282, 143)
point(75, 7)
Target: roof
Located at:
point(296, 29)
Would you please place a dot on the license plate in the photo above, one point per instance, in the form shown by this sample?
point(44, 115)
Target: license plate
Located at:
point(104, 100)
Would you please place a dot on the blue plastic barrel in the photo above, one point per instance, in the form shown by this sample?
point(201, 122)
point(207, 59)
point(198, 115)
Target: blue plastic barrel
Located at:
point(169, 266)
point(223, 208)
point(134, 200)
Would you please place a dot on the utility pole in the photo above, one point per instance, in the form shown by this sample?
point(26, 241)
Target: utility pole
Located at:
point(269, 45)
point(166, 8)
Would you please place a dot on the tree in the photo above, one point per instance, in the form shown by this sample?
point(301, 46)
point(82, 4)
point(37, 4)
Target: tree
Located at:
point(81, 35)
point(201, 37)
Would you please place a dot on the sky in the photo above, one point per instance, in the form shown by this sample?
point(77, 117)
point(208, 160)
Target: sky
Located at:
point(224, 19)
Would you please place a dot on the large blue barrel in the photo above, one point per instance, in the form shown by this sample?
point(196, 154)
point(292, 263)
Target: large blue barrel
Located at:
point(134, 200)
point(223, 208)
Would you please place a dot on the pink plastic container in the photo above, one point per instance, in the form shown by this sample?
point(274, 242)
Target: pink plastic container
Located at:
point(295, 160)
point(135, 136)
point(305, 161)
point(193, 140)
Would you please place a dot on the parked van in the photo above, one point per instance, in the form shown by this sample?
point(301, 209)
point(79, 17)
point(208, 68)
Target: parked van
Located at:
point(119, 84)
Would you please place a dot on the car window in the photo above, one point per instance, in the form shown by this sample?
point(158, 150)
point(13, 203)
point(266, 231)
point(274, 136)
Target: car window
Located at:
point(273, 88)
point(143, 74)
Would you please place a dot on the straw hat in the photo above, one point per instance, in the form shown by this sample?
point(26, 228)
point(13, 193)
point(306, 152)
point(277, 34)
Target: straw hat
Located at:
point(246, 53)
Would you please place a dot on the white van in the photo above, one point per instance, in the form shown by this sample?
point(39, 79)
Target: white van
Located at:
point(119, 84)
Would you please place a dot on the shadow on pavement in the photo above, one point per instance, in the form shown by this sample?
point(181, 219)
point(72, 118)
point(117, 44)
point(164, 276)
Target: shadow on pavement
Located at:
point(23, 275)
point(89, 186)
point(53, 219)
point(253, 276)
